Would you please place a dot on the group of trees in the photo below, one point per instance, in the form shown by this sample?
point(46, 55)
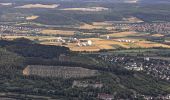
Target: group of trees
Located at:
point(27, 48)
point(153, 17)
point(15, 55)
point(9, 61)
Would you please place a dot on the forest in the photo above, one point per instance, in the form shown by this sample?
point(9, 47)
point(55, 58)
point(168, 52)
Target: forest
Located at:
point(17, 54)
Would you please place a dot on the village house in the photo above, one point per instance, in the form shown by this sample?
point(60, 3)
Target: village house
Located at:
point(155, 67)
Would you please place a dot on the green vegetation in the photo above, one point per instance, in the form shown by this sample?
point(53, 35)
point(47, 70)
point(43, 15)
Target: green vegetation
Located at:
point(148, 13)
point(121, 83)
point(116, 80)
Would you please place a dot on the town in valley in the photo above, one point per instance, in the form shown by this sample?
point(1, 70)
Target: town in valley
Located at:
point(84, 50)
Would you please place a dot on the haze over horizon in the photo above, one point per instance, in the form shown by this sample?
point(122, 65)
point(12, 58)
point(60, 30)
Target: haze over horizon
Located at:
point(116, 1)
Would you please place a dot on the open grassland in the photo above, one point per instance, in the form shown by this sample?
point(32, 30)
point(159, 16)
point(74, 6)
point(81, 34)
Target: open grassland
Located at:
point(97, 25)
point(88, 26)
point(57, 32)
point(28, 6)
point(106, 44)
point(105, 23)
point(124, 34)
point(151, 45)
point(87, 48)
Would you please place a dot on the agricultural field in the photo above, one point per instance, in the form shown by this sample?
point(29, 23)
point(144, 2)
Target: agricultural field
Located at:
point(112, 44)
point(115, 41)
point(100, 44)
point(133, 19)
point(114, 49)
point(124, 34)
point(57, 32)
point(89, 26)
point(31, 17)
point(158, 35)
point(97, 25)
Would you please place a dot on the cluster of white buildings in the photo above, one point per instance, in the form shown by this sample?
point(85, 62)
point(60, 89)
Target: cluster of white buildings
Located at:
point(84, 43)
point(124, 40)
point(60, 39)
point(155, 67)
point(79, 42)
point(134, 67)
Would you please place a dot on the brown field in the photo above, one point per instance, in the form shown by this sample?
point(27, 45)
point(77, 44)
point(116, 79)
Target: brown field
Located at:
point(107, 44)
point(91, 9)
point(105, 23)
point(124, 34)
point(133, 20)
point(88, 26)
point(97, 43)
point(143, 43)
point(38, 6)
point(58, 32)
point(97, 25)
point(88, 48)
point(157, 35)
point(152, 44)
point(31, 17)
point(75, 47)
point(132, 39)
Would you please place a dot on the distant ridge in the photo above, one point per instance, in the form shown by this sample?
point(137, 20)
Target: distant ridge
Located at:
point(113, 1)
